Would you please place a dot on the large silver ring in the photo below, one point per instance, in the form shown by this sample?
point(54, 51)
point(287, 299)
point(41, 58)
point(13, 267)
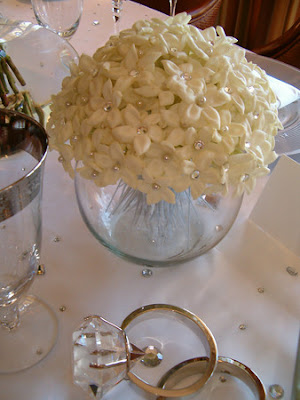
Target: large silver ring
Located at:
point(226, 367)
point(206, 337)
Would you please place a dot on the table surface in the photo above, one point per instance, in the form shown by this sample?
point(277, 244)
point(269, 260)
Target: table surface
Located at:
point(221, 287)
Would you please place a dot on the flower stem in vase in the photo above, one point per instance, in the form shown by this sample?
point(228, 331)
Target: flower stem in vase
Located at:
point(160, 231)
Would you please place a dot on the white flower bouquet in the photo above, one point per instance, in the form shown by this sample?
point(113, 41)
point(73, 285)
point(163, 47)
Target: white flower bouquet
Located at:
point(166, 107)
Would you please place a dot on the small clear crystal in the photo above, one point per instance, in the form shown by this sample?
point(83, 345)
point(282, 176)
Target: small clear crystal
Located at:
point(147, 272)
point(276, 391)
point(198, 145)
point(291, 271)
point(116, 168)
point(202, 100)
point(155, 186)
point(195, 174)
point(186, 76)
point(225, 128)
point(107, 107)
point(141, 130)
point(152, 358)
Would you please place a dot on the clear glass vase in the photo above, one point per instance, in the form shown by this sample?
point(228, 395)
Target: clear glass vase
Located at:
point(157, 234)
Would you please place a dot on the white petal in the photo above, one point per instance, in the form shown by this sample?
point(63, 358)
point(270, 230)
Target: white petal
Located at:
point(141, 144)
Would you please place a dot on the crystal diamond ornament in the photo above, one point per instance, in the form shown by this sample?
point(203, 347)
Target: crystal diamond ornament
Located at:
point(102, 356)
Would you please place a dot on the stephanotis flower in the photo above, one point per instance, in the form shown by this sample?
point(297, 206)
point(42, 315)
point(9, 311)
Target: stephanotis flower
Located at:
point(166, 107)
point(140, 129)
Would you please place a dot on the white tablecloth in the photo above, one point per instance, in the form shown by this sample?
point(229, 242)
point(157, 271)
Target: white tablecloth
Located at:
point(220, 287)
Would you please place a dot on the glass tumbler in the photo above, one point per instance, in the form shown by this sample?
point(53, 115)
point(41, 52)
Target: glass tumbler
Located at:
point(28, 326)
point(60, 16)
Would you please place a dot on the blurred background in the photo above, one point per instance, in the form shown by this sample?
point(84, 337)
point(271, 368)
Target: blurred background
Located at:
point(268, 27)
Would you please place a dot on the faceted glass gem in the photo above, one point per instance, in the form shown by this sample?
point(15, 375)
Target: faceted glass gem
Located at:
point(195, 174)
point(99, 356)
point(198, 145)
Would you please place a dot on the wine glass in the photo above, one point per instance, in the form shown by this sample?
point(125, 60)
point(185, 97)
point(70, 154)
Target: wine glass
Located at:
point(173, 4)
point(61, 17)
point(28, 327)
point(117, 7)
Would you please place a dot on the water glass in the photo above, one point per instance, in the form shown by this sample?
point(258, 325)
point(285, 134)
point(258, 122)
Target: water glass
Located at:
point(28, 326)
point(60, 16)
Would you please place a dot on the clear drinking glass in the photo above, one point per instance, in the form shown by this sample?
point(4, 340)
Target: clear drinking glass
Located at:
point(60, 16)
point(28, 327)
point(173, 4)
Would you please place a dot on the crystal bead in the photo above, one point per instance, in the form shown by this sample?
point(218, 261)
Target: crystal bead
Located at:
point(61, 159)
point(198, 145)
point(173, 49)
point(219, 228)
point(251, 89)
point(68, 103)
point(276, 391)
point(256, 115)
point(96, 22)
point(94, 174)
point(247, 145)
point(107, 107)
point(225, 128)
point(195, 174)
point(202, 100)
point(141, 130)
point(146, 272)
point(227, 89)
point(166, 157)
point(242, 327)
point(155, 186)
point(186, 76)
point(116, 168)
point(245, 177)
point(291, 271)
point(152, 358)
point(84, 99)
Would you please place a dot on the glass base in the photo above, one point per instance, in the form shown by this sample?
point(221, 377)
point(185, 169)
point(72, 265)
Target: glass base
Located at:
point(32, 340)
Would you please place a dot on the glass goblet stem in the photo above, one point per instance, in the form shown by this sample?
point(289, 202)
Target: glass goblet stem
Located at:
point(9, 316)
point(173, 4)
point(117, 7)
